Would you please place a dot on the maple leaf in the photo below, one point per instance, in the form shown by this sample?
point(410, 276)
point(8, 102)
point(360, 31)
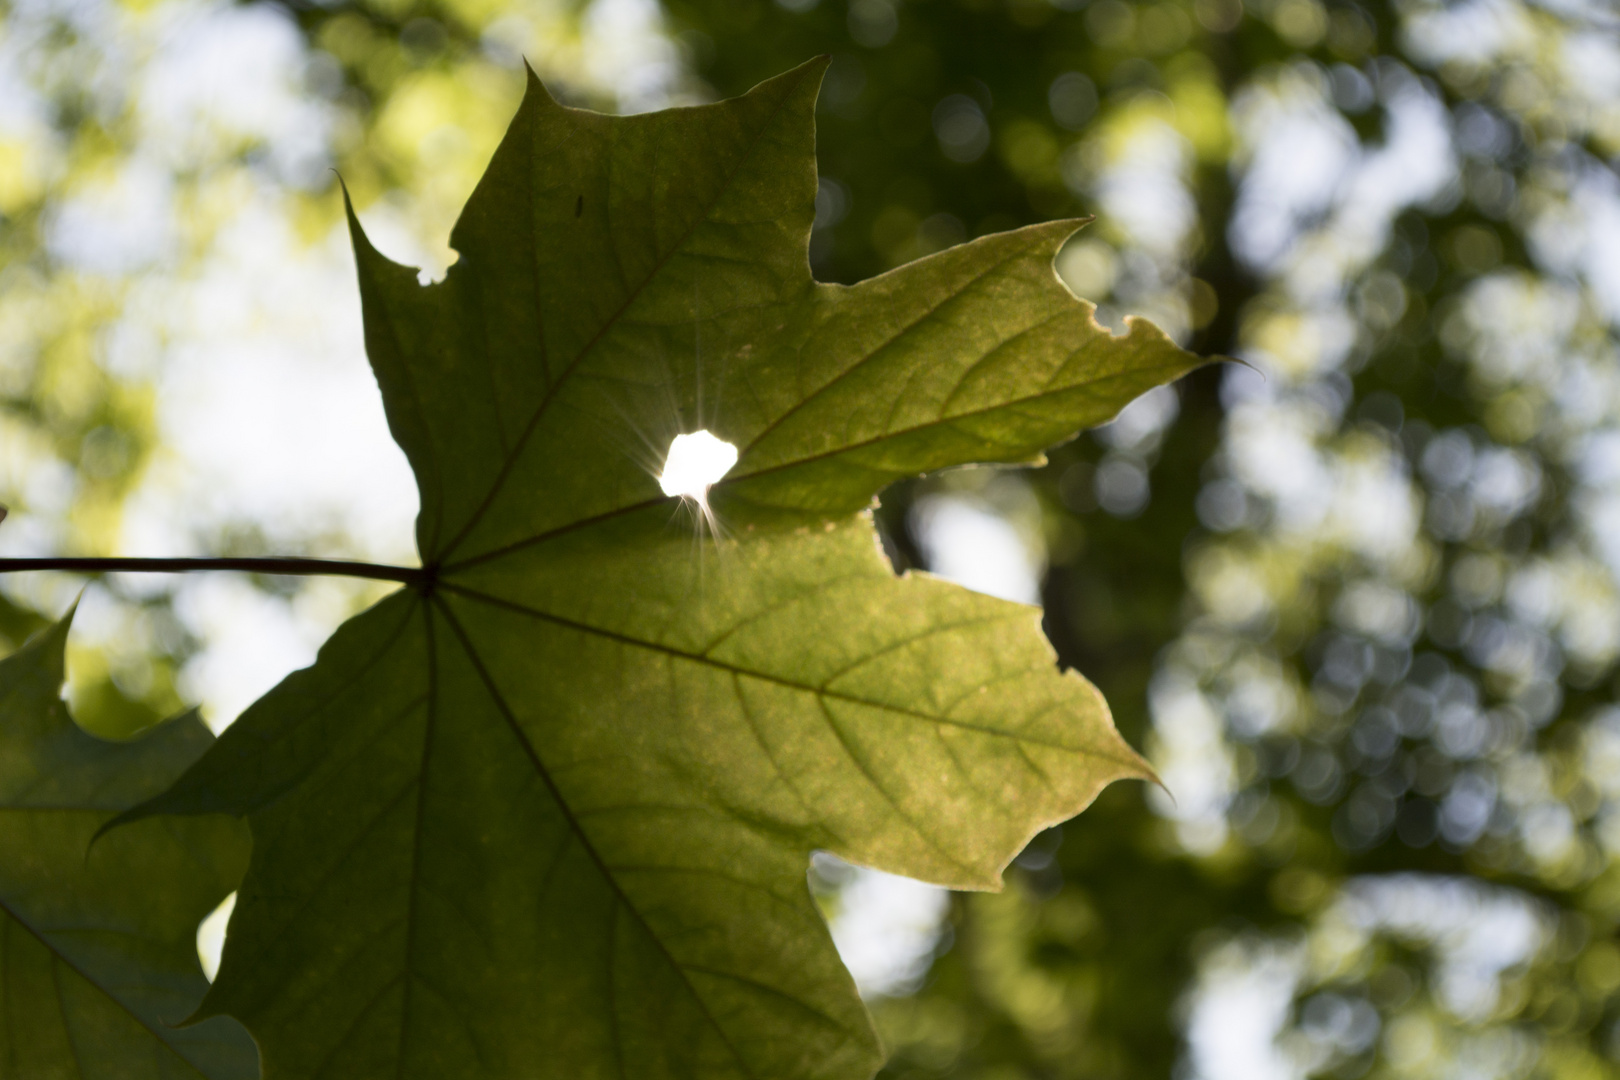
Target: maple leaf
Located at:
point(549, 811)
point(94, 971)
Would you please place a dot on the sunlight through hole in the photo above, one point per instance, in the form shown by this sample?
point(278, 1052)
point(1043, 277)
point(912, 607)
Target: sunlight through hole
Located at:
point(696, 461)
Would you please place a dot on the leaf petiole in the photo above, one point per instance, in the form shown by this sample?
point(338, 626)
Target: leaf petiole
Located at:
point(410, 575)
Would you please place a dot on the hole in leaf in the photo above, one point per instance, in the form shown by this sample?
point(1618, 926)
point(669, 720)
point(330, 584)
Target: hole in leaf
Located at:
point(696, 461)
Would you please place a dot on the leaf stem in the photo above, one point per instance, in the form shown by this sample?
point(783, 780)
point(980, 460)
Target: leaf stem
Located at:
point(275, 564)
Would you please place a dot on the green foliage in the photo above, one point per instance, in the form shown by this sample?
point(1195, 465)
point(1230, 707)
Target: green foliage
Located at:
point(98, 949)
point(554, 801)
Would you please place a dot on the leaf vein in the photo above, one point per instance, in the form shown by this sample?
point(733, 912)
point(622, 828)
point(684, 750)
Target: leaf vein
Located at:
point(416, 834)
point(556, 386)
point(737, 477)
point(568, 814)
point(58, 956)
point(875, 352)
point(888, 797)
point(625, 639)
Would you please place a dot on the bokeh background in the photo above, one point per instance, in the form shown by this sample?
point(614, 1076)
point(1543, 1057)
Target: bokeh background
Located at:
point(1357, 598)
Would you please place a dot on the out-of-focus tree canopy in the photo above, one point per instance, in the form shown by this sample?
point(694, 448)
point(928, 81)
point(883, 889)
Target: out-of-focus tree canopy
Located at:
point(1358, 598)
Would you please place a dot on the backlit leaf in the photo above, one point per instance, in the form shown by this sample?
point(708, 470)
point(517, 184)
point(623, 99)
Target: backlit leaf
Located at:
point(98, 943)
point(549, 813)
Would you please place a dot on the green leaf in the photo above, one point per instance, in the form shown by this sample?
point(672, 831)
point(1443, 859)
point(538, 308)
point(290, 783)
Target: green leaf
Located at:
point(550, 813)
point(98, 944)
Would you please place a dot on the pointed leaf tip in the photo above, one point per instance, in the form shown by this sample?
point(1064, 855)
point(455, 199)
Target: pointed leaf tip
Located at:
point(536, 94)
point(51, 642)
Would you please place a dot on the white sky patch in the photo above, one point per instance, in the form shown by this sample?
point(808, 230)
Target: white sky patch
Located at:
point(1478, 932)
point(1191, 758)
point(118, 225)
point(254, 640)
point(1143, 422)
point(1375, 510)
point(269, 413)
point(1599, 462)
point(1581, 237)
point(269, 410)
point(1414, 164)
point(695, 462)
point(965, 542)
point(1273, 450)
point(1142, 190)
point(1302, 148)
point(232, 74)
point(271, 420)
point(1238, 1007)
point(1476, 32)
point(1305, 160)
point(626, 47)
point(1593, 61)
point(886, 927)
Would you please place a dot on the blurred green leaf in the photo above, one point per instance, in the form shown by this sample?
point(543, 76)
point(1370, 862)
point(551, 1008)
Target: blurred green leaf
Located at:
point(555, 805)
point(98, 948)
